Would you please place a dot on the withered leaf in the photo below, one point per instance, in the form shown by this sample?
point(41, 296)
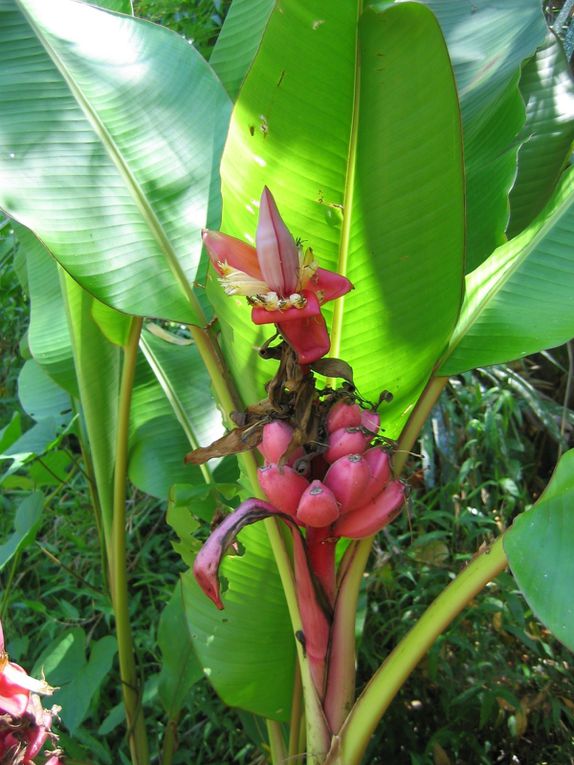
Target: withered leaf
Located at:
point(334, 368)
point(237, 440)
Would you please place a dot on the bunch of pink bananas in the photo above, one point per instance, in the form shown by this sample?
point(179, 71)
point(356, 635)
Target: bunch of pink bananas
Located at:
point(349, 492)
point(25, 725)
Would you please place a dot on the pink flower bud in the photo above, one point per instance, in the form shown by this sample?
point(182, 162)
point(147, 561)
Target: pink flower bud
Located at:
point(348, 478)
point(343, 415)
point(318, 506)
point(370, 420)
point(373, 516)
point(276, 249)
point(277, 436)
point(346, 441)
point(380, 467)
point(283, 487)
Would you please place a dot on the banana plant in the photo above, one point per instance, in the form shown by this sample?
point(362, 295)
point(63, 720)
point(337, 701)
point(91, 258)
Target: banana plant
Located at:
point(362, 175)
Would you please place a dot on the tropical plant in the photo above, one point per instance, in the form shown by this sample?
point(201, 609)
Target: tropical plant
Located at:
point(397, 144)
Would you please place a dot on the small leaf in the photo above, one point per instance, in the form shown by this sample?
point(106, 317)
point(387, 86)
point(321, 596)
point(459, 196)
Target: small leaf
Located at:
point(333, 368)
point(26, 524)
point(65, 665)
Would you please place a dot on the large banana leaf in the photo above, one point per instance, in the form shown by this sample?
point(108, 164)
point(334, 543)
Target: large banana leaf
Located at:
point(520, 300)
point(487, 43)
point(111, 129)
point(548, 91)
point(323, 133)
point(539, 549)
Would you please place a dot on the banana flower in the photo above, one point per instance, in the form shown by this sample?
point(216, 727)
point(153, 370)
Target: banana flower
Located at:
point(283, 284)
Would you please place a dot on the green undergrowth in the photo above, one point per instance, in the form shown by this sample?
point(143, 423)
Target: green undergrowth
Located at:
point(497, 687)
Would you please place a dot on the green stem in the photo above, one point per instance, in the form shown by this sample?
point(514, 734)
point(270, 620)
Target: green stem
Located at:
point(387, 681)
point(295, 720)
point(417, 419)
point(118, 560)
point(94, 497)
point(276, 742)
point(215, 365)
point(169, 741)
point(8, 585)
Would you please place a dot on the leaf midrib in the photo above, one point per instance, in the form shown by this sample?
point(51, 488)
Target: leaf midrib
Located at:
point(115, 155)
point(342, 259)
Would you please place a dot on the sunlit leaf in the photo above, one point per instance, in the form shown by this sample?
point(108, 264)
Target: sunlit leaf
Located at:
point(299, 128)
point(238, 41)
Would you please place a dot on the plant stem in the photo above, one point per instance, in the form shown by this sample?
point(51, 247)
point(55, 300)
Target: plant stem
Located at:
point(169, 741)
point(118, 562)
point(295, 721)
point(317, 729)
point(387, 681)
point(340, 692)
point(276, 742)
point(417, 419)
point(8, 585)
point(215, 366)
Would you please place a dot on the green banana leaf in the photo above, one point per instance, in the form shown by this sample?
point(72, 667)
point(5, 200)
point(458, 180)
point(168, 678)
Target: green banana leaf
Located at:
point(238, 41)
point(300, 128)
point(40, 397)
point(111, 128)
point(180, 669)
point(539, 550)
point(247, 651)
point(520, 300)
point(548, 91)
point(487, 43)
point(172, 413)
point(48, 333)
